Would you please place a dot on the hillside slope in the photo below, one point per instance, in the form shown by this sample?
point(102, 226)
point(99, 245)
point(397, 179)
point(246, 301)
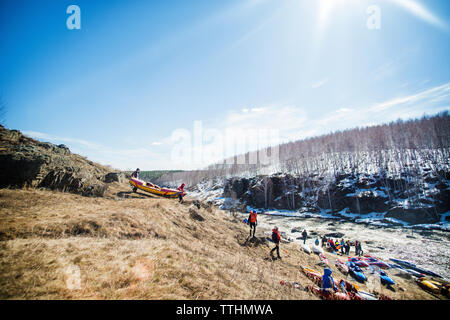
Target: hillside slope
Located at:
point(56, 245)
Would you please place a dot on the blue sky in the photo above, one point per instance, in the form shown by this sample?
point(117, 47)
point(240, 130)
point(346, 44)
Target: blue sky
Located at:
point(137, 72)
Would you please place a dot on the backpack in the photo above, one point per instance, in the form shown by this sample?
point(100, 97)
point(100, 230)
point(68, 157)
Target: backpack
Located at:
point(274, 237)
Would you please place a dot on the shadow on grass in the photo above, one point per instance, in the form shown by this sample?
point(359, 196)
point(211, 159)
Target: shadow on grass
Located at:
point(134, 195)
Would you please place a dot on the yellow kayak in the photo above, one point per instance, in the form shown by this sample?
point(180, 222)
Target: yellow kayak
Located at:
point(428, 285)
point(154, 189)
point(308, 270)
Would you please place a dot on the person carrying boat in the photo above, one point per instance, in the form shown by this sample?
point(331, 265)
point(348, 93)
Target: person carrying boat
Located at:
point(180, 195)
point(305, 235)
point(276, 238)
point(252, 221)
point(135, 174)
point(328, 281)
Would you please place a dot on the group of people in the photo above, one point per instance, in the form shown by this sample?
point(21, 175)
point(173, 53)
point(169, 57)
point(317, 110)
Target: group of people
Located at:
point(252, 221)
point(343, 246)
point(327, 280)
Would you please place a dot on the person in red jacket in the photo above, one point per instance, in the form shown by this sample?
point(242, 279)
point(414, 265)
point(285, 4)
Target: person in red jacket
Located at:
point(276, 238)
point(252, 221)
point(180, 196)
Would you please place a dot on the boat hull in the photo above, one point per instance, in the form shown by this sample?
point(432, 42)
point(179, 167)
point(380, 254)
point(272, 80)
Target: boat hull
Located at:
point(154, 189)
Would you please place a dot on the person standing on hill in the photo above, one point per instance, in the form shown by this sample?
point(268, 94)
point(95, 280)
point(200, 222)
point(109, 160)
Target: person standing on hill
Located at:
point(253, 221)
point(135, 174)
point(358, 249)
point(276, 238)
point(180, 195)
point(305, 235)
point(342, 246)
point(347, 247)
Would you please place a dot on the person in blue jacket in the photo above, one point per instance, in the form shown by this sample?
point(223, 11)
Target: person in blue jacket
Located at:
point(327, 280)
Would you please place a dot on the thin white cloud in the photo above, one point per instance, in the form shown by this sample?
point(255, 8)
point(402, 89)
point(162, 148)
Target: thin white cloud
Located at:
point(56, 139)
point(319, 84)
point(420, 11)
point(439, 93)
point(121, 158)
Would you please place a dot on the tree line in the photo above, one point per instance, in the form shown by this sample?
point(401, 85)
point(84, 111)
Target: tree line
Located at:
point(393, 148)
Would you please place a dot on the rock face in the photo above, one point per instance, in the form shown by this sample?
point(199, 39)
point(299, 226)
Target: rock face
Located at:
point(265, 192)
point(27, 162)
point(416, 201)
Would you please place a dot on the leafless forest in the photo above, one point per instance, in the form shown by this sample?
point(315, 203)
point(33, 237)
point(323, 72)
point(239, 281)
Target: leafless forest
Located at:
point(400, 148)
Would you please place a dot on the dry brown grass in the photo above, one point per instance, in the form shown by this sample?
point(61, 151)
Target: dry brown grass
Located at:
point(134, 246)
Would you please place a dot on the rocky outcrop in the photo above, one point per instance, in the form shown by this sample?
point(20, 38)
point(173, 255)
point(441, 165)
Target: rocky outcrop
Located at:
point(28, 162)
point(413, 216)
point(416, 201)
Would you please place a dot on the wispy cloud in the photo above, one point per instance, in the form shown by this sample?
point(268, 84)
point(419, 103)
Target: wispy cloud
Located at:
point(121, 158)
point(57, 139)
point(421, 12)
point(436, 94)
point(319, 83)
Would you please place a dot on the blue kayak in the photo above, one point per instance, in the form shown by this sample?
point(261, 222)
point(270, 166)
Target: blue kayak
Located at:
point(356, 271)
point(385, 278)
point(411, 266)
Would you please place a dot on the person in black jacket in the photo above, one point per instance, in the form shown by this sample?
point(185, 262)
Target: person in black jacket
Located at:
point(305, 235)
point(276, 238)
point(135, 174)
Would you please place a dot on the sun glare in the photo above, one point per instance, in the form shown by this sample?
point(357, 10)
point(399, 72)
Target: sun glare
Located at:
point(327, 7)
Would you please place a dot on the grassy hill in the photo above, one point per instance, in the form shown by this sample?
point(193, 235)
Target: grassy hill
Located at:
point(56, 245)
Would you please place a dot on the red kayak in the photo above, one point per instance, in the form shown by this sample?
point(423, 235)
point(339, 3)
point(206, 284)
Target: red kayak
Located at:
point(358, 262)
point(328, 294)
point(375, 262)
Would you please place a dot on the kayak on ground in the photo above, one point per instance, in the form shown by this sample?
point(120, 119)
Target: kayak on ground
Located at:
point(385, 279)
point(324, 259)
point(358, 262)
point(317, 249)
point(341, 266)
point(366, 295)
point(376, 262)
point(306, 248)
point(409, 265)
point(328, 294)
point(356, 271)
